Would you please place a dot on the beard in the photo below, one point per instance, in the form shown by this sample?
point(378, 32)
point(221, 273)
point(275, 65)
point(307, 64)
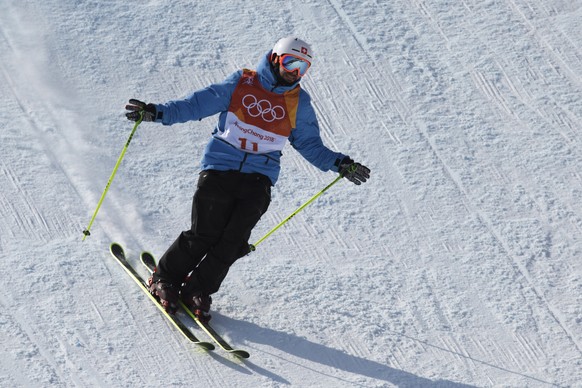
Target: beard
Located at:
point(279, 78)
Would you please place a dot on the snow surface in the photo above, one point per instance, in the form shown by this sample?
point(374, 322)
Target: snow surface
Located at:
point(456, 265)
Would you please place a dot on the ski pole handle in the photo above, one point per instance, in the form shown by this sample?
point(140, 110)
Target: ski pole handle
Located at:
point(253, 247)
point(86, 232)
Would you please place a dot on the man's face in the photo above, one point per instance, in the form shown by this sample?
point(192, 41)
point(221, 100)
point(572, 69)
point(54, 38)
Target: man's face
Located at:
point(290, 78)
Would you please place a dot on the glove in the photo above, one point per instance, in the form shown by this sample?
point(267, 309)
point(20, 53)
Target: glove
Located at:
point(138, 107)
point(352, 171)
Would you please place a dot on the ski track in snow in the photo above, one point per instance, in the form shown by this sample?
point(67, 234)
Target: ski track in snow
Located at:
point(456, 265)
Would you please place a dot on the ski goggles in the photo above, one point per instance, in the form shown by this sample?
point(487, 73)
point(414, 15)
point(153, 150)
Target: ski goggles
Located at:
point(291, 64)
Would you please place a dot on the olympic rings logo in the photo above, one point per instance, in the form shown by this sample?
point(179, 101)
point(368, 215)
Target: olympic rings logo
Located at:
point(263, 108)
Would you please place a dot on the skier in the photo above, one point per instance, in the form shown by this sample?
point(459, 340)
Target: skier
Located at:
point(258, 112)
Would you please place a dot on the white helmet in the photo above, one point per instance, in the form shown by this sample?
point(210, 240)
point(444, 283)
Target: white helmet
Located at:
point(295, 46)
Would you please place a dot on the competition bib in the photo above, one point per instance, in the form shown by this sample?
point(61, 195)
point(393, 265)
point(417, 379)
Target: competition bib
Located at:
point(259, 121)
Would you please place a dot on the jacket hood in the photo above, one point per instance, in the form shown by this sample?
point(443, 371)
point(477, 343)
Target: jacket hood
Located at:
point(267, 77)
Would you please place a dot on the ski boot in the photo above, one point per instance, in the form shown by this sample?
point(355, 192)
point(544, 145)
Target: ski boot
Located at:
point(199, 304)
point(166, 293)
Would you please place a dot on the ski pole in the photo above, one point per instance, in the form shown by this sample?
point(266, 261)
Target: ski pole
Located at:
point(254, 246)
point(138, 122)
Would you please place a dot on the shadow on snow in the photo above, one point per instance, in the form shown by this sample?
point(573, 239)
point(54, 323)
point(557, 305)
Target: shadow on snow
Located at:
point(324, 355)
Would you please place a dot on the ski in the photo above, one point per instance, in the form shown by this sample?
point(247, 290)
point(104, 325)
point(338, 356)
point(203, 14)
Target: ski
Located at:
point(149, 262)
point(119, 254)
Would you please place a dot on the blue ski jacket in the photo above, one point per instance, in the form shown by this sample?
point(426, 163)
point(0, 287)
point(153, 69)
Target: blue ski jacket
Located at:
point(222, 156)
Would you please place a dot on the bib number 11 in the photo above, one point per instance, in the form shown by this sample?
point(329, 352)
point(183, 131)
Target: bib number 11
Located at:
point(248, 145)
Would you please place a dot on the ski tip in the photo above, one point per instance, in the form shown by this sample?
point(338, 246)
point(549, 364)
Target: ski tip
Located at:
point(205, 345)
point(148, 260)
point(116, 248)
point(240, 353)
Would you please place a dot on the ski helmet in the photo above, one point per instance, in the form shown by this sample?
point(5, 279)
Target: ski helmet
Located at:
point(294, 46)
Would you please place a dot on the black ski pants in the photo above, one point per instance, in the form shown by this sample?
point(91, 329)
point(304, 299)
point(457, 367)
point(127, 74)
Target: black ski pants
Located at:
point(226, 207)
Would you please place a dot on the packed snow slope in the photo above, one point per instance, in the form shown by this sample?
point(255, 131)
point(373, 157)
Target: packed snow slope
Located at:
point(457, 265)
